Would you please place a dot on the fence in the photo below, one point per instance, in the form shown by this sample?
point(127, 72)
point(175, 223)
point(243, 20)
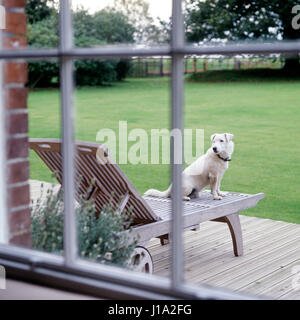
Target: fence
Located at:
point(145, 67)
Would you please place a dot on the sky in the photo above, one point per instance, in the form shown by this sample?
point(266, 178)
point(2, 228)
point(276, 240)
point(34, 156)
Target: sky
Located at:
point(157, 8)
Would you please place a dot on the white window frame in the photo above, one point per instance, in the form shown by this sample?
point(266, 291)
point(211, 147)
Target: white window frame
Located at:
point(69, 271)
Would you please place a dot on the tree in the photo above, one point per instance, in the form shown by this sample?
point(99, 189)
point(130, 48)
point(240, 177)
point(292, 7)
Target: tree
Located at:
point(103, 27)
point(147, 28)
point(243, 20)
point(113, 27)
point(38, 10)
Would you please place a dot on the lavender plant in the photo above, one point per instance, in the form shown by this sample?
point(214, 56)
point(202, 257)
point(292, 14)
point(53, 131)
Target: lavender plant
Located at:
point(101, 237)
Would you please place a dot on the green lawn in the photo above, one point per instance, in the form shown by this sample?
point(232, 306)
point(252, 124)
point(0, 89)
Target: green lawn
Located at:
point(263, 116)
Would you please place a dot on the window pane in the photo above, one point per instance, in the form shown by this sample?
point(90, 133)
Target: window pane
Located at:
point(42, 24)
point(251, 98)
point(47, 205)
point(254, 98)
point(125, 128)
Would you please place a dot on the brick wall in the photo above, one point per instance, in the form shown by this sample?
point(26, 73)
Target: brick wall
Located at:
point(15, 102)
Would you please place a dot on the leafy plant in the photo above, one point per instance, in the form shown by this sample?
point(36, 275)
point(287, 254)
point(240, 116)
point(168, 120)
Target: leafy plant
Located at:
point(100, 237)
point(243, 20)
point(90, 30)
point(38, 10)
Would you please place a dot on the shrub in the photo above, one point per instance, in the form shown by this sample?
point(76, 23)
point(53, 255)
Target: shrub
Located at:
point(103, 27)
point(101, 238)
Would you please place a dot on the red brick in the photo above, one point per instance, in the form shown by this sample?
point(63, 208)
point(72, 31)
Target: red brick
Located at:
point(16, 98)
point(17, 148)
point(18, 196)
point(23, 240)
point(16, 23)
point(14, 37)
point(14, 3)
point(19, 221)
point(15, 72)
point(18, 172)
point(14, 42)
point(16, 123)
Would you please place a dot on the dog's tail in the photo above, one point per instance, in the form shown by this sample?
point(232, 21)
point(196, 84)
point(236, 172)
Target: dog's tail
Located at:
point(158, 194)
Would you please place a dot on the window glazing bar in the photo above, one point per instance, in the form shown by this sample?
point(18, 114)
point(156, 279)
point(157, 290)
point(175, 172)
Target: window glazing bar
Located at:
point(176, 147)
point(132, 51)
point(66, 83)
point(97, 279)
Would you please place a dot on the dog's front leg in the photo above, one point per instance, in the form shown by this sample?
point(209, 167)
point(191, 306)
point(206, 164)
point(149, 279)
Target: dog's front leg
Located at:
point(221, 194)
point(213, 181)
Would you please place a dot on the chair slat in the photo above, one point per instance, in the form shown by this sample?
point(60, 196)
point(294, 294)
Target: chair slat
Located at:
point(111, 183)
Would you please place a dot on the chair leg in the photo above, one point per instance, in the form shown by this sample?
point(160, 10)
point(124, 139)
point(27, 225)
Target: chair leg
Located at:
point(234, 224)
point(165, 239)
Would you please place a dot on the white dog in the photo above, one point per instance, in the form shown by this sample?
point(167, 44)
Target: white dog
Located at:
point(206, 170)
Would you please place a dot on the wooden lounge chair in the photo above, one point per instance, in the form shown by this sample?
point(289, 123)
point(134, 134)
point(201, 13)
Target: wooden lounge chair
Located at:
point(152, 217)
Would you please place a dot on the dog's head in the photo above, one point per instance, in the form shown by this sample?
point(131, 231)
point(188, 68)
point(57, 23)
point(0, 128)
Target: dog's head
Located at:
point(222, 144)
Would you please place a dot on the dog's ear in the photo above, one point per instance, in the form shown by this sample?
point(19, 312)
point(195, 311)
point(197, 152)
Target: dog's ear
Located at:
point(228, 136)
point(212, 137)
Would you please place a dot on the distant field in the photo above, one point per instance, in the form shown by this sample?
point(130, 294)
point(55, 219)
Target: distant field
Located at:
point(263, 116)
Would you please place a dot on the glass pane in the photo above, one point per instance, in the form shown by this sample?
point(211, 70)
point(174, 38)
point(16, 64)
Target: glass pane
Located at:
point(42, 24)
point(251, 98)
point(122, 129)
point(47, 206)
point(98, 23)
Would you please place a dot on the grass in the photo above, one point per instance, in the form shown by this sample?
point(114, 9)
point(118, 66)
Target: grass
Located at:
point(263, 116)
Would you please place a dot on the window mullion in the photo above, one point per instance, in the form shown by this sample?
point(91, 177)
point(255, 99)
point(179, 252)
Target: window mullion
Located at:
point(177, 125)
point(66, 84)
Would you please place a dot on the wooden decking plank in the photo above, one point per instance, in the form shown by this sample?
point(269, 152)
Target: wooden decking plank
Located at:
point(291, 295)
point(226, 246)
point(256, 267)
point(218, 229)
point(275, 279)
point(219, 259)
point(241, 264)
point(262, 271)
point(200, 246)
point(222, 261)
point(215, 232)
point(204, 243)
point(281, 288)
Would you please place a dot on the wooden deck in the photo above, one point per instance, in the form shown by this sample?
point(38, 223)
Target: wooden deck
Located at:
point(271, 250)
